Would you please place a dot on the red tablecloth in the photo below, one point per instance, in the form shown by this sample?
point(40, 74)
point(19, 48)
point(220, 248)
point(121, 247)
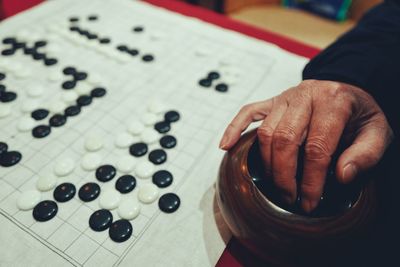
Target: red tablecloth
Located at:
point(234, 255)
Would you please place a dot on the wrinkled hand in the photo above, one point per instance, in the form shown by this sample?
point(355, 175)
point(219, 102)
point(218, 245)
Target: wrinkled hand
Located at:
point(318, 114)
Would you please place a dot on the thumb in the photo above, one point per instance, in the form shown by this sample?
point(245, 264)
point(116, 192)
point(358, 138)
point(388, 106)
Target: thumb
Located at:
point(365, 152)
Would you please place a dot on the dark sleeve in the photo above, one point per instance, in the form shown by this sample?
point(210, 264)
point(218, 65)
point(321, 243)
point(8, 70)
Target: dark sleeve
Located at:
point(368, 56)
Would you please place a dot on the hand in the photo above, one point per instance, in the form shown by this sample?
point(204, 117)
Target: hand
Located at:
point(318, 114)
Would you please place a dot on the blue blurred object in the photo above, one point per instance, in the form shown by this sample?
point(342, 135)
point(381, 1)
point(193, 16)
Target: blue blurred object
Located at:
point(333, 9)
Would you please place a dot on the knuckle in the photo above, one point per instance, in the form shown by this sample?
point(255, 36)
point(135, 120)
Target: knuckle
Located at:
point(265, 133)
point(284, 137)
point(317, 149)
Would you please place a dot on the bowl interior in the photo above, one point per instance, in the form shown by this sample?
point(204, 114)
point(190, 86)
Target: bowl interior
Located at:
point(336, 199)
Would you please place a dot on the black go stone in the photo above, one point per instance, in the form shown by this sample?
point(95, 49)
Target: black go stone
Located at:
point(72, 111)
point(80, 76)
point(138, 149)
point(74, 19)
point(29, 51)
point(57, 120)
point(8, 52)
point(45, 210)
point(138, 29)
point(162, 127)
point(84, 32)
point(105, 173)
point(133, 52)
point(100, 220)
point(40, 43)
point(158, 156)
point(6, 97)
point(205, 82)
point(2, 88)
point(10, 158)
point(68, 85)
point(168, 141)
point(64, 192)
point(74, 29)
point(222, 87)
point(172, 116)
point(122, 48)
point(213, 75)
point(9, 40)
point(91, 36)
point(93, 17)
point(162, 178)
point(38, 56)
point(39, 114)
point(89, 192)
point(50, 61)
point(41, 131)
point(125, 184)
point(18, 45)
point(120, 231)
point(84, 100)
point(3, 147)
point(2, 76)
point(98, 92)
point(69, 71)
point(148, 58)
point(169, 202)
point(104, 40)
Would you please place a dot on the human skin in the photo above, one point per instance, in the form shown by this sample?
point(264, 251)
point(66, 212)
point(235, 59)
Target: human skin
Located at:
point(316, 114)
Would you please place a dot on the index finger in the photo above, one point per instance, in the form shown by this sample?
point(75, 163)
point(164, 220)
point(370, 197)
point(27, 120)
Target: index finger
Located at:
point(247, 114)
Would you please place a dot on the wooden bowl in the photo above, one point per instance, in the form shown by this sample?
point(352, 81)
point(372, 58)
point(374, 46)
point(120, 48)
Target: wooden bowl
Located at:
point(282, 235)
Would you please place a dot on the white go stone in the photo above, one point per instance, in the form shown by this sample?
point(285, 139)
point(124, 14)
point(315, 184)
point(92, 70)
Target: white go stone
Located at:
point(57, 106)
point(123, 140)
point(28, 199)
point(53, 49)
point(25, 124)
point(94, 79)
point(135, 127)
point(90, 161)
point(15, 67)
point(202, 51)
point(144, 169)
point(156, 107)
point(109, 199)
point(149, 119)
point(149, 136)
point(55, 76)
point(148, 193)
point(83, 89)
point(129, 209)
point(29, 105)
point(126, 164)
point(46, 182)
point(69, 97)
point(5, 110)
point(35, 91)
point(23, 73)
point(64, 166)
point(93, 143)
point(231, 80)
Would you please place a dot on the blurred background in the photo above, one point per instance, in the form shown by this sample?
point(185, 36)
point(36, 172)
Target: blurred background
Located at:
point(307, 22)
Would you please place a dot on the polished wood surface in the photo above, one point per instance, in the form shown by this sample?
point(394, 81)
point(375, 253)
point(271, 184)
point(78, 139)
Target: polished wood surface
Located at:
point(280, 237)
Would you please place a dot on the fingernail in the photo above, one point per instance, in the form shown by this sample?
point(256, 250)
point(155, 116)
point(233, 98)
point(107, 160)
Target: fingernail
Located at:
point(349, 172)
point(223, 143)
point(309, 205)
